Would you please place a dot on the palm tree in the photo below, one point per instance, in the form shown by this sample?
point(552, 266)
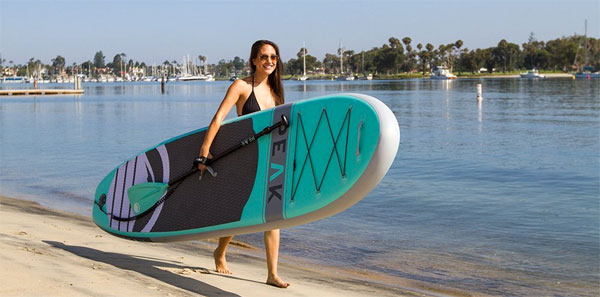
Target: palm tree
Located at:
point(430, 53)
point(394, 42)
point(409, 61)
point(58, 63)
point(203, 60)
point(173, 64)
point(406, 41)
point(123, 56)
point(457, 45)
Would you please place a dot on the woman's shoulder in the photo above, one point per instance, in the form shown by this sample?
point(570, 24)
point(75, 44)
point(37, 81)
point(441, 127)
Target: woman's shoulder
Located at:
point(240, 88)
point(243, 82)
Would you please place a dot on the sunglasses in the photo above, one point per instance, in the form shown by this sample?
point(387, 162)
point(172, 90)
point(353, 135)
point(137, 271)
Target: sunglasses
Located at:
point(264, 58)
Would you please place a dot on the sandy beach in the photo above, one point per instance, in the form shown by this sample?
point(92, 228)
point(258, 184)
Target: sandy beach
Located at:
point(49, 253)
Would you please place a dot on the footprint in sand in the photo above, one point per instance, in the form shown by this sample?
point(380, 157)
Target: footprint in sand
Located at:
point(32, 250)
point(188, 271)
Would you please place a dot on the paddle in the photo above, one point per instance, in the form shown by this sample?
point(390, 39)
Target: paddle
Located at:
point(145, 197)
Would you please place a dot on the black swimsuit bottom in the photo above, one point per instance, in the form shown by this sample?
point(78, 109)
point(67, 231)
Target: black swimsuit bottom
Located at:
point(251, 105)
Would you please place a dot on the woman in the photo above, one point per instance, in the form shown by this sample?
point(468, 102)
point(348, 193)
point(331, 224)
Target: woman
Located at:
point(262, 90)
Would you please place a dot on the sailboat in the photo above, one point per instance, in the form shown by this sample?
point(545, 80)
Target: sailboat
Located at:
point(303, 77)
point(586, 72)
point(190, 72)
point(364, 76)
point(342, 76)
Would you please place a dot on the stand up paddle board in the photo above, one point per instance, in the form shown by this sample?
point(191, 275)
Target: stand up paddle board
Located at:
point(289, 165)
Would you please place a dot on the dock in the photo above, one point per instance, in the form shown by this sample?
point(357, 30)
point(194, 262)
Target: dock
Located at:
point(34, 92)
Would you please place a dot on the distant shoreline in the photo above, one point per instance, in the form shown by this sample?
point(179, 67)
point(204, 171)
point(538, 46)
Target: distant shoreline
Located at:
point(460, 76)
point(322, 78)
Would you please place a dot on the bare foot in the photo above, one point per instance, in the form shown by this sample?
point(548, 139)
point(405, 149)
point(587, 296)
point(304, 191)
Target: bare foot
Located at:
point(221, 263)
point(277, 282)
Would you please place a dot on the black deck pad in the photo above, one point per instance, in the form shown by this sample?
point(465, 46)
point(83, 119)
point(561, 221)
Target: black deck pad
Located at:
point(213, 200)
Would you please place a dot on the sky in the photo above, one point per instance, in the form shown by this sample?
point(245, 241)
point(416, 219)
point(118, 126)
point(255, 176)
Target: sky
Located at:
point(154, 31)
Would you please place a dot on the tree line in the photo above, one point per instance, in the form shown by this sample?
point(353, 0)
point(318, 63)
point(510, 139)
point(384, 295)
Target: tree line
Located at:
point(400, 56)
point(394, 57)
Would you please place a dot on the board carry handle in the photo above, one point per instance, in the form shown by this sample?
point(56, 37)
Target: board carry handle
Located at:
point(145, 197)
point(358, 139)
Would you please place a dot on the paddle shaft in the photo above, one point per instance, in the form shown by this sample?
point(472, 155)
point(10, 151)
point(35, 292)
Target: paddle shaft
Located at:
point(284, 121)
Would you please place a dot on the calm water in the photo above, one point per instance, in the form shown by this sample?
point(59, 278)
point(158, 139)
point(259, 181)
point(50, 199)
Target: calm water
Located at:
point(500, 198)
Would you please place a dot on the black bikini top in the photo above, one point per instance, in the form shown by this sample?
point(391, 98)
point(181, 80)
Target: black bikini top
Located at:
point(251, 105)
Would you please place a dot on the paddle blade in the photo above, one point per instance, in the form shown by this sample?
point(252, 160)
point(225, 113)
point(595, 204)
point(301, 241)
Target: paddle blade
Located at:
point(143, 196)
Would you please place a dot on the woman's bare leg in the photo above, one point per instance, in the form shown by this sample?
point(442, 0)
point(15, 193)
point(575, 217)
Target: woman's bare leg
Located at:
point(219, 254)
point(272, 249)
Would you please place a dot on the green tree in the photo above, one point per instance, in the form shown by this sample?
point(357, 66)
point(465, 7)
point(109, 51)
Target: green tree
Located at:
point(394, 42)
point(99, 60)
point(293, 66)
point(455, 52)
point(225, 68)
point(422, 57)
point(58, 64)
point(116, 63)
point(530, 52)
point(385, 59)
point(123, 64)
point(330, 63)
point(486, 56)
point(563, 52)
point(430, 55)
point(312, 63)
point(239, 63)
point(395, 54)
point(34, 67)
point(86, 67)
point(410, 62)
point(506, 54)
point(203, 61)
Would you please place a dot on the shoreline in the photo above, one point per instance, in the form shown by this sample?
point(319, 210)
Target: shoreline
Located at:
point(66, 254)
point(317, 78)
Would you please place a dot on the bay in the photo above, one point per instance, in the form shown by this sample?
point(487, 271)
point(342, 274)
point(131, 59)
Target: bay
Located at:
point(501, 197)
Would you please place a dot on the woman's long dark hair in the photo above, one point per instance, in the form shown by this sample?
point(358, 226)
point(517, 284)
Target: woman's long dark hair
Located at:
point(275, 77)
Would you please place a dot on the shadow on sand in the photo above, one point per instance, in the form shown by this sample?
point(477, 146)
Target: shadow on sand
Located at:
point(149, 267)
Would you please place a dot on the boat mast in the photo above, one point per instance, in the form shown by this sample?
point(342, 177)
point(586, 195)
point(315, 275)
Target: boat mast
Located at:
point(362, 67)
point(585, 59)
point(304, 58)
point(341, 58)
point(184, 69)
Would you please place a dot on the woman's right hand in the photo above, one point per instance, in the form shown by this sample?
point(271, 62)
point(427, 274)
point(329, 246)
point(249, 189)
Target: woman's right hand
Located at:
point(202, 167)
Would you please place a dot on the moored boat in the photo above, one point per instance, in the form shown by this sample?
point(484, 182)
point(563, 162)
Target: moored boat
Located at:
point(585, 70)
point(13, 79)
point(532, 74)
point(441, 72)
